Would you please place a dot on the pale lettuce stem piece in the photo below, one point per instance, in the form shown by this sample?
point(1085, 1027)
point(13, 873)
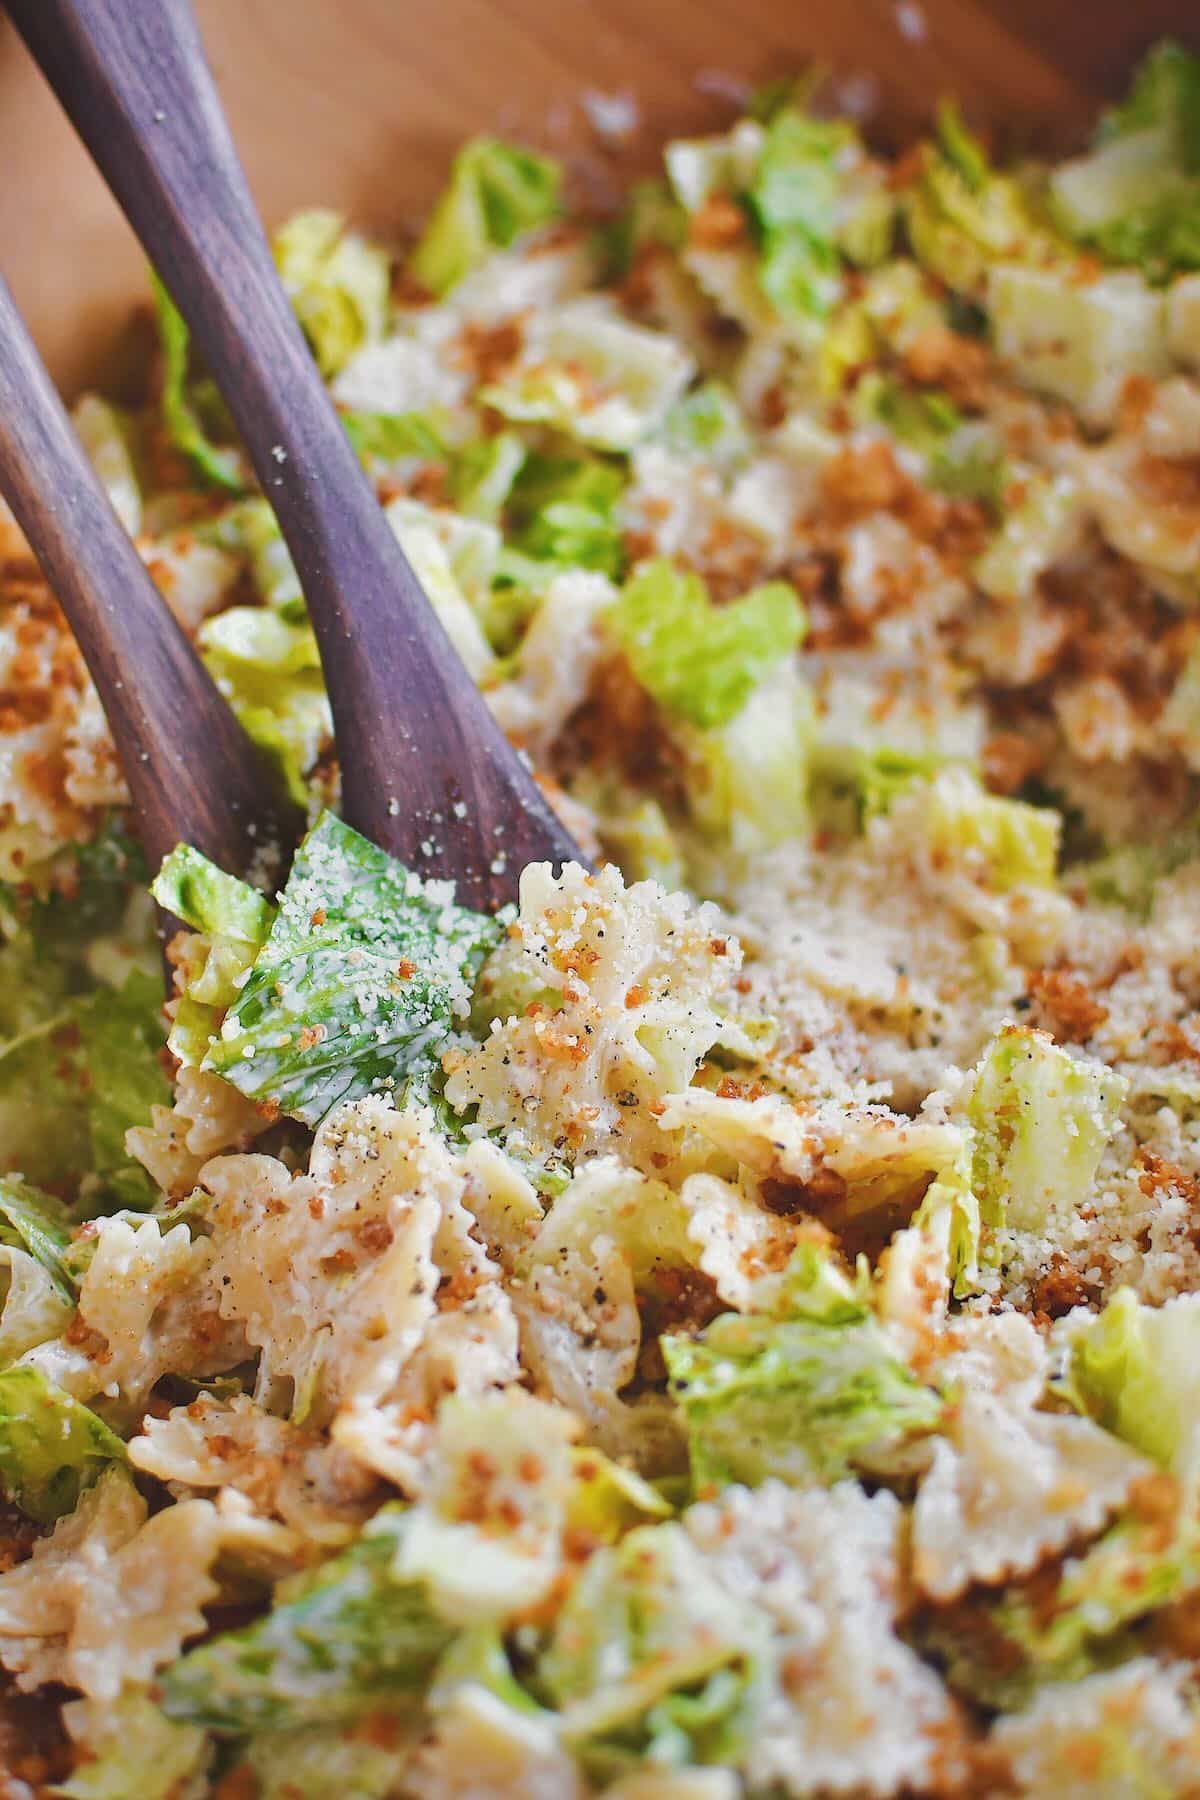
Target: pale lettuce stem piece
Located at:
point(104, 433)
point(1042, 1118)
point(496, 193)
point(51, 1446)
point(338, 284)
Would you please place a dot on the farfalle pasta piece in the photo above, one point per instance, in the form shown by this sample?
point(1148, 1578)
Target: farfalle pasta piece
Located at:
point(850, 1708)
point(1008, 1487)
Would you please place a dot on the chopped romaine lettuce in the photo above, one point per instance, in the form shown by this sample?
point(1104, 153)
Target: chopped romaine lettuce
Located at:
point(218, 466)
point(963, 458)
point(484, 474)
point(255, 531)
point(652, 216)
point(804, 1399)
point(881, 776)
point(1135, 197)
point(590, 373)
point(963, 217)
point(1136, 1369)
point(128, 1747)
point(1071, 1618)
point(794, 198)
point(33, 1306)
point(269, 669)
point(86, 1074)
point(606, 1499)
point(649, 1651)
point(708, 423)
point(207, 899)
point(700, 168)
point(1044, 525)
point(1078, 341)
point(1165, 92)
point(747, 781)
point(232, 920)
point(1012, 844)
point(51, 1447)
point(563, 510)
point(338, 1643)
point(635, 829)
point(489, 1548)
point(105, 435)
point(496, 192)
point(390, 437)
point(700, 661)
point(338, 285)
point(313, 1765)
point(364, 976)
point(38, 1224)
point(1042, 1118)
point(438, 545)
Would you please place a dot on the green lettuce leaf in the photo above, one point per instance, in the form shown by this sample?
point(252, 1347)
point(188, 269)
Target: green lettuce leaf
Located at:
point(206, 898)
point(1135, 197)
point(338, 285)
point(650, 1658)
point(81, 1078)
point(962, 216)
point(794, 199)
point(747, 782)
point(562, 510)
point(708, 423)
point(593, 375)
point(363, 978)
point(388, 437)
point(51, 1447)
point(961, 458)
point(269, 669)
point(484, 474)
point(496, 192)
point(106, 434)
point(1042, 1118)
point(336, 1644)
point(1136, 1370)
point(701, 661)
point(312, 1765)
point(232, 921)
point(883, 775)
point(90, 901)
point(1165, 92)
point(1016, 843)
point(220, 467)
point(254, 531)
point(39, 1224)
point(804, 1399)
point(130, 1748)
point(1072, 1618)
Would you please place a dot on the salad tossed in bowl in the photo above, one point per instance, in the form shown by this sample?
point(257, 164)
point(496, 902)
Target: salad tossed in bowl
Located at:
point(729, 1325)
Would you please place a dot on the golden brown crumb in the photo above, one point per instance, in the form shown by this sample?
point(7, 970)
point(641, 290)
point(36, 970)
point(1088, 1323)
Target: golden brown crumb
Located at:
point(719, 224)
point(1068, 1008)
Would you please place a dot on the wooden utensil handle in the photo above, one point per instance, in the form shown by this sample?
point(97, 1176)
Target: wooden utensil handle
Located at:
point(191, 770)
point(416, 741)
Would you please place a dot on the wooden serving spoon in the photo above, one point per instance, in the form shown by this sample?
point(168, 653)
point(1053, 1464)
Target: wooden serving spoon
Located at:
point(192, 772)
point(426, 772)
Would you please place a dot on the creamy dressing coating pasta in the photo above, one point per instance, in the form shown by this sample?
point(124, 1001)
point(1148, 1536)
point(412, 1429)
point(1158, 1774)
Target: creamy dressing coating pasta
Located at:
point(727, 1326)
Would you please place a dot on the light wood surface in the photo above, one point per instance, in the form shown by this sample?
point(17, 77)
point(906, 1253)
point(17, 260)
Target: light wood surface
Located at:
point(359, 104)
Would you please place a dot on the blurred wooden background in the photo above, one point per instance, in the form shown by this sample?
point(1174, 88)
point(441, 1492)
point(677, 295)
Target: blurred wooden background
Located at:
point(359, 103)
